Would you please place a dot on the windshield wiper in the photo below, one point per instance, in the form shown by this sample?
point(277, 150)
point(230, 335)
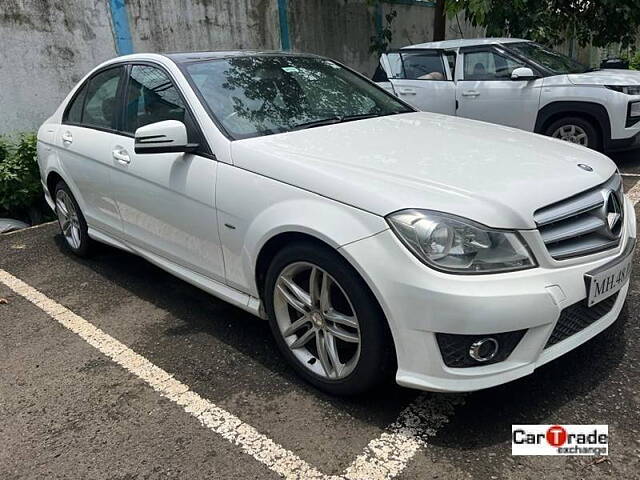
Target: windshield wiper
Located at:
point(361, 116)
point(318, 123)
point(333, 120)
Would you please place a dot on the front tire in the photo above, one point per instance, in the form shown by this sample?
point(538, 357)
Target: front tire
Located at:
point(576, 130)
point(326, 322)
point(71, 220)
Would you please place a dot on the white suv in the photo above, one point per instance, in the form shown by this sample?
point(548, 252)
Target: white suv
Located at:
point(520, 84)
point(376, 239)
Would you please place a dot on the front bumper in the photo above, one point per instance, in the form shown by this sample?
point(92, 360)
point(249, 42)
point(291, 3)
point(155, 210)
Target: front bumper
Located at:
point(623, 144)
point(623, 134)
point(420, 302)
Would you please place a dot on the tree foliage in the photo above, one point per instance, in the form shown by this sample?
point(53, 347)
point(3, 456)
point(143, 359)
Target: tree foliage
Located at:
point(380, 43)
point(381, 40)
point(601, 22)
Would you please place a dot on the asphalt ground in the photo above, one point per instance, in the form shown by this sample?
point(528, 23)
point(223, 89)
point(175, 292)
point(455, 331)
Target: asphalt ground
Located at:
point(70, 410)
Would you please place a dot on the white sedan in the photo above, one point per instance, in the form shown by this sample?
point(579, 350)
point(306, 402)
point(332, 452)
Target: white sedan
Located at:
point(377, 240)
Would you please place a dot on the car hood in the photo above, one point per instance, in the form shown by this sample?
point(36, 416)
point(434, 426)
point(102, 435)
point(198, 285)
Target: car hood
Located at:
point(606, 77)
point(495, 175)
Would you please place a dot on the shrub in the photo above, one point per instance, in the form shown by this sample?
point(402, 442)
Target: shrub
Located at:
point(634, 61)
point(20, 188)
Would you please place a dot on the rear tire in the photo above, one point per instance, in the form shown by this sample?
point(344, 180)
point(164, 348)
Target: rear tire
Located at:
point(576, 130)
point(71, 220)
point(344, 344)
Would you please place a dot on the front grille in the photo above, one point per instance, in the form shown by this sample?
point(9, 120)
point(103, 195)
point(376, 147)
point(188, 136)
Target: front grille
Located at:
point(455, 348)
point(586, 223)
point(579, 316)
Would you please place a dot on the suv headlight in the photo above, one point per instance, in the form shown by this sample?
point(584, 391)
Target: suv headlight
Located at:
point(457, 245)
point(631, 90)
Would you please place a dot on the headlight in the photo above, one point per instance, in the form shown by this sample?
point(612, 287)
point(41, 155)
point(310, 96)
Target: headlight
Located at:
point(457, 245)
point(634, 109)
point(632, 90)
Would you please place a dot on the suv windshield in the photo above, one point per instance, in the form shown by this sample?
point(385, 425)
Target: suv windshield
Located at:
point(261, 95)
point(555, 62)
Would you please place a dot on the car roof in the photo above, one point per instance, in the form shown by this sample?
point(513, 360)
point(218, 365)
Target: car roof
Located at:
point(466, 42)
point(186, 57)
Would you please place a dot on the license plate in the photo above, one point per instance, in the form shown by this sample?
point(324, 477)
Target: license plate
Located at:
point(607, 280)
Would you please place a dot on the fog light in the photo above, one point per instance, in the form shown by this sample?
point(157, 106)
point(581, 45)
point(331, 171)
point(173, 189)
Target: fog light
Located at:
point(464, 351)
point(484, 350)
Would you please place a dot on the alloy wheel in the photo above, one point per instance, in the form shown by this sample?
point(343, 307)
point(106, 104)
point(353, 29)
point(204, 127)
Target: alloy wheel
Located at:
point(572, 134)
point(68, 219)
point(317, 320)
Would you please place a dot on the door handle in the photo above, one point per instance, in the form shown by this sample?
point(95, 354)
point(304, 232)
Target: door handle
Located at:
point(470, 93)
point(121, 156)
point(406, 91)
point(67, 138)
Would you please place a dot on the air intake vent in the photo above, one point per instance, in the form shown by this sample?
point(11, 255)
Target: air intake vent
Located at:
point(586, 223)
point(579, 316)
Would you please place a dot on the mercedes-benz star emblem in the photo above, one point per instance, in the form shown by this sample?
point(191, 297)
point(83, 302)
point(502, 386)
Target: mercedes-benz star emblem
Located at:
point(614, 214)
point(585, 167)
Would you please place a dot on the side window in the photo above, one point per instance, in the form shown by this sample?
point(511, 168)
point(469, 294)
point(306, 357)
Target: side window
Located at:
point(451, 59)
point(423, 66)
point(74, 110)
point(488, 65)
point(152, 97)
point(100, 107)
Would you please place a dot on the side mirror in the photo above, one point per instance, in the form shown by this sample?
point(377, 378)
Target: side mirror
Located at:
point(523, 73)
point(169, 136)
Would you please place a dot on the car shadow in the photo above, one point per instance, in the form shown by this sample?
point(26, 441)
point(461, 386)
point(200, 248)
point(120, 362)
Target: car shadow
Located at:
point(193, 312)
point(483, 420)
point(628, 162)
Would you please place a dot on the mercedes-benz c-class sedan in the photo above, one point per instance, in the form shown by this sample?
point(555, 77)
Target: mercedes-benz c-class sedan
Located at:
point(377, 240)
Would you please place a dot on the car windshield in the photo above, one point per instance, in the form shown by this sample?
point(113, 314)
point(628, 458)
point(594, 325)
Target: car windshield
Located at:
point(261, 95)
point(556, 62)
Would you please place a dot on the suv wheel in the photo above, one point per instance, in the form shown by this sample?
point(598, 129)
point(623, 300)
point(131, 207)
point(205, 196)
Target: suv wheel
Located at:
point(575, 130)
point(71, 220)
point(325, 320)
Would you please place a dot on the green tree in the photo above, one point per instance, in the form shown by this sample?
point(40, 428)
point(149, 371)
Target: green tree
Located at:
point(20, 188)
point(550, 21)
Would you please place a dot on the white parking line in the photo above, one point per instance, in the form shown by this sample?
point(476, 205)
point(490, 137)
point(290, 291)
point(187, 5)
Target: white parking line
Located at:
point(230, 427)
point(387, 456)
point(384, 458)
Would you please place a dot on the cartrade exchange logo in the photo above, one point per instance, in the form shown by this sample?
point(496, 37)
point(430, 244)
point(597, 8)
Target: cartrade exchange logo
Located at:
point(560, 440)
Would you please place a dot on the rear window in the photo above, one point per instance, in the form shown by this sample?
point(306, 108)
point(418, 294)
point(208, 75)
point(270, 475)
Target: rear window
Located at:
point(423, 66)
point(418, 65)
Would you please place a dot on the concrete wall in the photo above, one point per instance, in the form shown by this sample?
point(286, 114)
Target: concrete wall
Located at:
point(191, 25)
point(339, 29)
point(460, 28)
point(48, 45)
point(414, 24)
